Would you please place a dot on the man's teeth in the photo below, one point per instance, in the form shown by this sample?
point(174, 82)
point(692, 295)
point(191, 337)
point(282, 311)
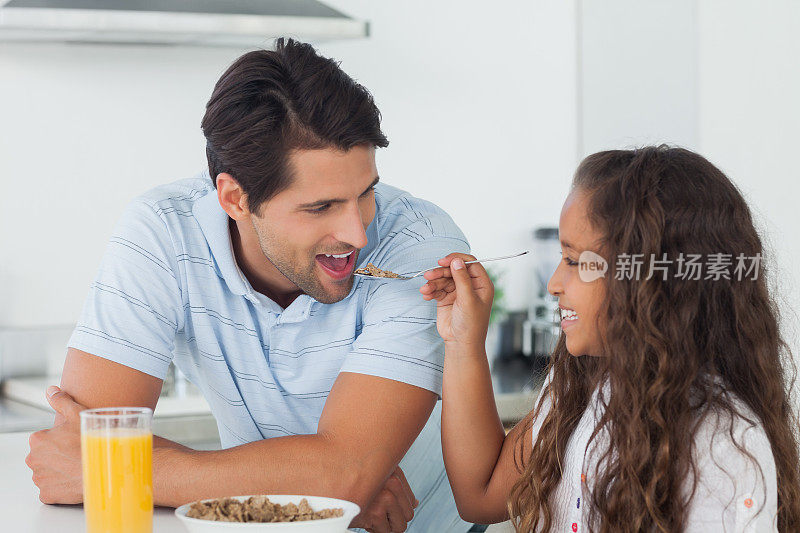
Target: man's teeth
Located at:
point(568, 314)
point(339, 256)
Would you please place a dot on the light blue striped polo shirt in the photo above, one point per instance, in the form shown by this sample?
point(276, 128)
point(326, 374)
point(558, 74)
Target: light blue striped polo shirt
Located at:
point(169, 289)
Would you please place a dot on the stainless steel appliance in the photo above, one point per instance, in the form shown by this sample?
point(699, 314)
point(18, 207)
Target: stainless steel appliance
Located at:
point(525, 339)
point(543, 324)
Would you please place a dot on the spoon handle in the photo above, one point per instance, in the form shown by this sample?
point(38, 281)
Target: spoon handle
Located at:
point(477, 261)
point(496, 258)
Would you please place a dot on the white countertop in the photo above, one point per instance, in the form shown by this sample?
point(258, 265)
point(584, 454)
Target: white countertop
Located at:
point(31, 390)
point(23, 512)
point(512, 406)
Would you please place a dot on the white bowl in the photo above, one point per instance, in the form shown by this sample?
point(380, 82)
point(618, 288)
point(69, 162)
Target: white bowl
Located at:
point(326, 525)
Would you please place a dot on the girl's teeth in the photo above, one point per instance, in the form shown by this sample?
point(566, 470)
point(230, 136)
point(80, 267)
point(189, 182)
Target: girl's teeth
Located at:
point(568, 314)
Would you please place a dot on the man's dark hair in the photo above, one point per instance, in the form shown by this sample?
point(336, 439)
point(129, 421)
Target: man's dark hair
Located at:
point(269, 103)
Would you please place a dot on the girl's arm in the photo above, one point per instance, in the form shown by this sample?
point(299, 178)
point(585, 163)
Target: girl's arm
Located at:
point(478, 456)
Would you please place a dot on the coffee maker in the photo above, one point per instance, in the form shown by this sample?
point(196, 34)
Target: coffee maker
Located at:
point(525, 339)
point(543, 324)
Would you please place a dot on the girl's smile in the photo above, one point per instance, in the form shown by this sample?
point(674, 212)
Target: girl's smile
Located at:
point(579, 301)
point(568, 317)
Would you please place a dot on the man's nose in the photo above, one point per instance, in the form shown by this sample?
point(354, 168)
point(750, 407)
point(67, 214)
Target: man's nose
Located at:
point(350, 228)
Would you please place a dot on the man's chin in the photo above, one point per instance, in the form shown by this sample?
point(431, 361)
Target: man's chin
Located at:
point(326, 294)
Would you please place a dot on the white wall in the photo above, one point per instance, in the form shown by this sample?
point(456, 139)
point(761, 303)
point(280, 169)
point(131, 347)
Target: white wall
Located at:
point(749, 122)
point(85, 129)
point(487, 108)
point(478, 103)
point(638, 76)
point(717, 76)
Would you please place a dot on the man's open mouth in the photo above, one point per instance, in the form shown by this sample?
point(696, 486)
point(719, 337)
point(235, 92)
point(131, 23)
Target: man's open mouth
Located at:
point(337, 266)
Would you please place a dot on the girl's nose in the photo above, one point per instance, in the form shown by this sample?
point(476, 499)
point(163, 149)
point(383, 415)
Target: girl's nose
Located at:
point(554, 285)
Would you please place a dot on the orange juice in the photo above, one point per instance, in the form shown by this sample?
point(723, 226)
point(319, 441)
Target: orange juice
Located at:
point(118, 480)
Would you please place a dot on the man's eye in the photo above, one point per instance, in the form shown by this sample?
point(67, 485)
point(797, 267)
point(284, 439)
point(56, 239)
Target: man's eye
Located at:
point(320, 209)
point(570, 262)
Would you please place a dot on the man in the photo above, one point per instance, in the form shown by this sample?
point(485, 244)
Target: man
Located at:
point(243, 277)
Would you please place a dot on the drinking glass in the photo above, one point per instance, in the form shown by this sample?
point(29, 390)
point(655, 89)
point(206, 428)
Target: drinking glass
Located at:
point(117, 461)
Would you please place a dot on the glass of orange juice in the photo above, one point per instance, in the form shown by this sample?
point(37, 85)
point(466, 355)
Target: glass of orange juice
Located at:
point(117, 460)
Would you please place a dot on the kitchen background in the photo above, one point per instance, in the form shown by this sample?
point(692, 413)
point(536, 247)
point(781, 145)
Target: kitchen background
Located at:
point(488, 106)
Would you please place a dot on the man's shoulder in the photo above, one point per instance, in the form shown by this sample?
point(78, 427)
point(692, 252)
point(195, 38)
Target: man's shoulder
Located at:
point(163, 214)
point(400, 212)
point(168, 205)
point(393, 202)
point(178, 194)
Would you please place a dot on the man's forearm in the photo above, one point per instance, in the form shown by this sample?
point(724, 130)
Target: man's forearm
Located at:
point(301, 464)
point(161, 442)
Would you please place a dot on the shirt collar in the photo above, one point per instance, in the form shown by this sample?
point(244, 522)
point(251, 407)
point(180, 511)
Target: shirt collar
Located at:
point(213, 221)
point(373, 238)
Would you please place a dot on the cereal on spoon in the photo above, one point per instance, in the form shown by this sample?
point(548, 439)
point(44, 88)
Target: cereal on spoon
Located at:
point(372, 270)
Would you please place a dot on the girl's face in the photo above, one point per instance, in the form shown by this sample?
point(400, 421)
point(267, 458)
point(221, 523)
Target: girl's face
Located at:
point(579, 301)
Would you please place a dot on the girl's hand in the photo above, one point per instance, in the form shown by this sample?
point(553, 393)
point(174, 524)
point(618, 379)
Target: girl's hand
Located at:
point(464, 296)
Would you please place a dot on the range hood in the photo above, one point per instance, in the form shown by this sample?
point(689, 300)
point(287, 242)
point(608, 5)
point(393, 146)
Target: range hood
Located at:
point(239, 23)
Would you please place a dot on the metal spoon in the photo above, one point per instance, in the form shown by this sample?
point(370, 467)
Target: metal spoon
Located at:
point(414, 275)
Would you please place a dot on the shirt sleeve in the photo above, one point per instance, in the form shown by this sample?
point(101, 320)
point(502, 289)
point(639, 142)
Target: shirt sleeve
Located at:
point(735, 493)
point(134, 306)
point(399, 339)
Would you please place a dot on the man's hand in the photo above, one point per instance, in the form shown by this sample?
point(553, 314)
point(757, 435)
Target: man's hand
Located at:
point(55, 456)
point(392, 509)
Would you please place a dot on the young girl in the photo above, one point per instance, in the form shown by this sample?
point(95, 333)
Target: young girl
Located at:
point(666, 405)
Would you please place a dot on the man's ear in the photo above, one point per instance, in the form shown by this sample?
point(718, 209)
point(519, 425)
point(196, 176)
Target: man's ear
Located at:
point(231, 197)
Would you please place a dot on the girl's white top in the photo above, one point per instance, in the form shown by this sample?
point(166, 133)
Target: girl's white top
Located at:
point(732, 495)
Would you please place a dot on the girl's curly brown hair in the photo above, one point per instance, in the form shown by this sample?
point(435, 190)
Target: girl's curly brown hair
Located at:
point(669, 341)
